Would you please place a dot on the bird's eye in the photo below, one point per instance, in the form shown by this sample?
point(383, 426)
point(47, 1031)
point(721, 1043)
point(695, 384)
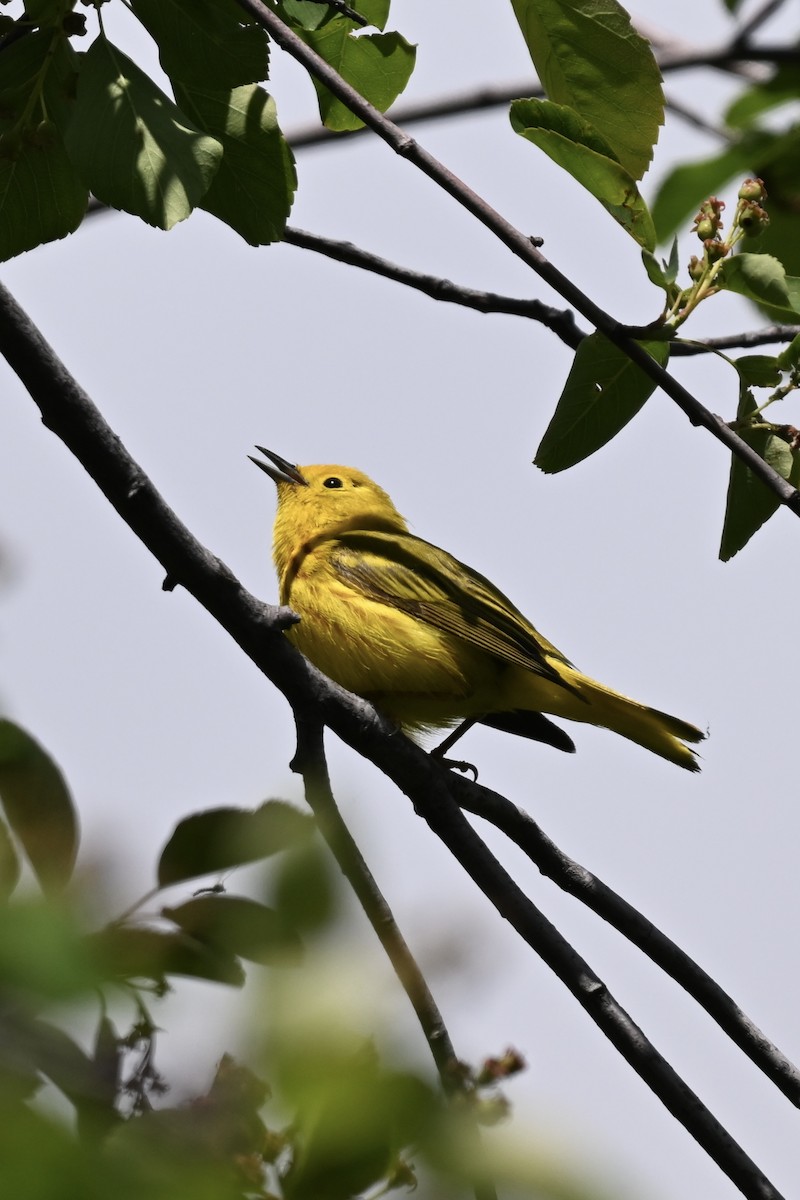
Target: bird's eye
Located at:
point(333, 481)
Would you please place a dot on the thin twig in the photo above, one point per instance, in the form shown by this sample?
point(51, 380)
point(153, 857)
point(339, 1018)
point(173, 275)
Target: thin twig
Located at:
point(524, 247)
point(310, 762)
point(560, 321)
point(256, 627)
point(746, 30)
point(697, 120)
point(573, 878)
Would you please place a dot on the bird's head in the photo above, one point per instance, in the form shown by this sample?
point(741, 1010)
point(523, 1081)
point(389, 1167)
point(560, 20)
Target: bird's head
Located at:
point(322, 501)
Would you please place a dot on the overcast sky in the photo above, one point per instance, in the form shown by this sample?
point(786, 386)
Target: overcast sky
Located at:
point(195, 347)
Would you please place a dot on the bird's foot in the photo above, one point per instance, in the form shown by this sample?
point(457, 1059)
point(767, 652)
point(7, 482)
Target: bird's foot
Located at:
point(456, 764)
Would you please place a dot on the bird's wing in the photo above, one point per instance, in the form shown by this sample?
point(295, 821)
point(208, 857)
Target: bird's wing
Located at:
point(415, 577)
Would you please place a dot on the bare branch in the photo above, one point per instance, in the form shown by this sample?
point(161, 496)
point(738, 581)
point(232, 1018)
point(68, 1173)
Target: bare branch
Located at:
point(601, 899)
point(746, 30)
point(255, 627)
point(560, 321)
point(524, 247)
point(310, 762)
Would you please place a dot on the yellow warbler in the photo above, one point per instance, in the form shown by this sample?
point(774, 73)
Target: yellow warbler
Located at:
point(425, 638)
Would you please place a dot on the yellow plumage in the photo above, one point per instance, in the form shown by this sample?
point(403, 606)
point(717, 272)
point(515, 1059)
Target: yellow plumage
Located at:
point(425, 638)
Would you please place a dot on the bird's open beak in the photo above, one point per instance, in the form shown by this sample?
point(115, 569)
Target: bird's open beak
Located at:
point(278, 468)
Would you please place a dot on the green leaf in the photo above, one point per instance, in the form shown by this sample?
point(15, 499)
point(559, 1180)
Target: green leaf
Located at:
point(21, 64)
point(603, 392)
point(209, 842)
point(750, 502)
point(134, 952)
point(377, 65)
point(206, 43)
point(9, 863)
point(256, 181)
point(42, 198)
point(42, 952)
point(789, 358)
point(133, 147)
point(763, 279)
point(758, 370)
point(581, 150)
point(38, 807)
point(306, 14)
point(239, 926)
point(591, 59)
point(685, 188)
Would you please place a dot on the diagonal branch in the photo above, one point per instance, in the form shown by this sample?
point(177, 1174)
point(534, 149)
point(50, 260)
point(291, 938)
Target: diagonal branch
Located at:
point(559, 321)
point(601, 899)
point(256, 628)
point(310, 762)
point(524, 247)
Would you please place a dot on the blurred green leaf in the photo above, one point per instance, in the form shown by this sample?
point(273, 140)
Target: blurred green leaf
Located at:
point(352, 1119)
point(762, 278)
point(209, 842)
point(136, 952)
point(9, 863)
point(781, 88)
point(43, 954)
point(604, 390)
point(239, 926)
point(579, 149)
point(132, 146)
point(38, 806)
point(377, 65)
point(304, 889)
point(591, 59)
point(254, 187)
point(206, 43)
point(750, 502)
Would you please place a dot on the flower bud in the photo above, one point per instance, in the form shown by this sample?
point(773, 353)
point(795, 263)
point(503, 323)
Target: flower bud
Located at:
point(752, 219)
point(705, 228)
point(753, 189)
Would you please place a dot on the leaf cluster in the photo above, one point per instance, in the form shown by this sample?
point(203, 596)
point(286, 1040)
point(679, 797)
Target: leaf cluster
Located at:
point(80, 122)
point(353, 1120)
point(600, 123)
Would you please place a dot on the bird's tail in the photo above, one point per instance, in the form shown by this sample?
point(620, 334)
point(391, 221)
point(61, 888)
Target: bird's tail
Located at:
point(655, 730)
point(584, 699)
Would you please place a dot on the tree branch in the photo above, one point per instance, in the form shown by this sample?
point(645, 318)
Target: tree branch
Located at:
point(255, 627)
point(310, 762)
point(571, 877)
point(523, 247)
point(559, 321)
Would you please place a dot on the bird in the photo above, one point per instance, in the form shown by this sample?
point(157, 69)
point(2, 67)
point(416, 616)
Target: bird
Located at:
point(429, 641)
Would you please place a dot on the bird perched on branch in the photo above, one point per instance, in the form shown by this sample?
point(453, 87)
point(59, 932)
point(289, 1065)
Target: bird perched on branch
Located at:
point(426, 639)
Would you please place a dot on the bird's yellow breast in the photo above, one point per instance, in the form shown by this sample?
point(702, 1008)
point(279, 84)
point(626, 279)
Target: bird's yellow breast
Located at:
point(414, 672)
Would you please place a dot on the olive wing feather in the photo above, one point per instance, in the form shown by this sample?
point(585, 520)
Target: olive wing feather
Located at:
point(418, 578)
